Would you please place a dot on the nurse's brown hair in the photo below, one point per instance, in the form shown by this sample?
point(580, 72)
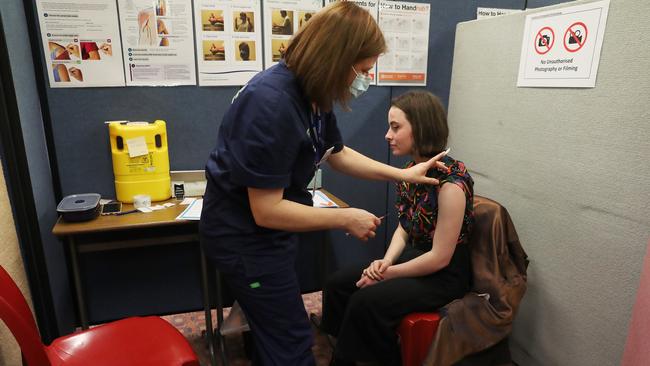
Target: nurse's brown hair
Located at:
point(322, 53)
point(428, 120)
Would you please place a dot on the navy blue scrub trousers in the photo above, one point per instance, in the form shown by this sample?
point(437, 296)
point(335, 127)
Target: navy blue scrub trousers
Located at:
point(277, 317)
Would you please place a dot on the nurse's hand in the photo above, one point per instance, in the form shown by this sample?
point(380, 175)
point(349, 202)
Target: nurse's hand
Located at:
point(360, 223)
point(418, 172)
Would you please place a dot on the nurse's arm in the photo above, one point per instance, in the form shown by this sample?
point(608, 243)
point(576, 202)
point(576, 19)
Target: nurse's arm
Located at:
point(350, 162)
point(271, 210)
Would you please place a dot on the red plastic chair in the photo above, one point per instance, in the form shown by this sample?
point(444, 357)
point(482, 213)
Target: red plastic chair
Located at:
point(417, 330)
point(416, 333)
point(128, 342)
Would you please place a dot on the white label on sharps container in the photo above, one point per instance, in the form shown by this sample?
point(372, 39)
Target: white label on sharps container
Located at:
point(137, 146)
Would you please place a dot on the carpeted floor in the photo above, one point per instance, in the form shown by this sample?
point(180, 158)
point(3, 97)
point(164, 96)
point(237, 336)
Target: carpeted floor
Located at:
point(192, 325)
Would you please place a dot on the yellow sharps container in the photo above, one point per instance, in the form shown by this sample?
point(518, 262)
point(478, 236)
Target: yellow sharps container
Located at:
point(140, 160)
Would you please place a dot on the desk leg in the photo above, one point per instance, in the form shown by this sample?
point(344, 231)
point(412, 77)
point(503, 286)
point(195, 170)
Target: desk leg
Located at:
point(81, 303)
point(206, 307)
point(222, 339)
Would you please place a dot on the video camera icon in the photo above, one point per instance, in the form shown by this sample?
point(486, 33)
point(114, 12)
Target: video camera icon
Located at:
point(576, 38)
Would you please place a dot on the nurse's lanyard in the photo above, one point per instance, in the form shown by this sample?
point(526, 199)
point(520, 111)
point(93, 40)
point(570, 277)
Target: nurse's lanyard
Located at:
point(315, 130)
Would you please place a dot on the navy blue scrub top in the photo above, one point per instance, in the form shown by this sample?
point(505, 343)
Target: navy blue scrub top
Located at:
point(264, 141)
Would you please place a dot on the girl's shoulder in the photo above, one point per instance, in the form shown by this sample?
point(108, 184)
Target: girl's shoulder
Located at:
point(456, 173)
point(455, 168)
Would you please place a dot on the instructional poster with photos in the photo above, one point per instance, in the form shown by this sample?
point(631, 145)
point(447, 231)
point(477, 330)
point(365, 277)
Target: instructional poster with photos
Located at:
point(158, 42)
point(372, 7)
point(81, 43)
point(282, 19)
point(406, 29)
point(228, 41)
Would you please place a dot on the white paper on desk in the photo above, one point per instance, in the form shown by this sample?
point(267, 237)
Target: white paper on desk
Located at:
point(321, 200)
point(187, 201)
point(192, 212)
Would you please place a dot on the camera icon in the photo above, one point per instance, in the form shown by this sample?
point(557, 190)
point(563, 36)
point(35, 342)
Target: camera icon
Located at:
point(544, 40)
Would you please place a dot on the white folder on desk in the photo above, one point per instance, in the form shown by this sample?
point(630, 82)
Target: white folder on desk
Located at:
point(321, 200)
point(192, 212)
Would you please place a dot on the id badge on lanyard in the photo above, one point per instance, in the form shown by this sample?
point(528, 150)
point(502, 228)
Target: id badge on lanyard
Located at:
point(315, 131)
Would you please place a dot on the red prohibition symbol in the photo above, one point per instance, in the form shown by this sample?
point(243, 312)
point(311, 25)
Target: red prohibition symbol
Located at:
point(577, 36)
point(544, 42)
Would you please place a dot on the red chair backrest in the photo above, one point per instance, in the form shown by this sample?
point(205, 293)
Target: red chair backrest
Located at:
point(17, 315)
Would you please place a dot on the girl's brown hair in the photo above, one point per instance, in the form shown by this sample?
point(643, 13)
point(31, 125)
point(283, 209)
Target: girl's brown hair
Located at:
point(428, 121)
point(323, 52)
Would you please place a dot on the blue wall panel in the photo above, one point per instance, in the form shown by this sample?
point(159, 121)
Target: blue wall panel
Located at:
point(363, 130)
point(25, 84)
point(140, 281)
point(192, 114)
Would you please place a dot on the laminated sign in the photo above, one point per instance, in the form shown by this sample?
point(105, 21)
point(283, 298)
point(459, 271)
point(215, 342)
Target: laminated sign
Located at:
point(561, 47)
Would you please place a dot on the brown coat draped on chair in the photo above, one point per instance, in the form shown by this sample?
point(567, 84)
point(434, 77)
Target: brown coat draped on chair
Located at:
point(477, 322)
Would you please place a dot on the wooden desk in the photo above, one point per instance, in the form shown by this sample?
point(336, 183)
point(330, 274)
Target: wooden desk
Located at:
point(132, 231)
point(117, 232)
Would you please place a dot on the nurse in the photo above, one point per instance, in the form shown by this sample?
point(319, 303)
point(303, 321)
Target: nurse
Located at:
point(278, 129)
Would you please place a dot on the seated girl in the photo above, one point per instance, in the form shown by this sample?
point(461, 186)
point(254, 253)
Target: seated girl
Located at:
point(427, 264)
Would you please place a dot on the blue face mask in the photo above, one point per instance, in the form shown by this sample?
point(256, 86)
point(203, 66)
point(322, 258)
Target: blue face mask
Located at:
point(360, 84)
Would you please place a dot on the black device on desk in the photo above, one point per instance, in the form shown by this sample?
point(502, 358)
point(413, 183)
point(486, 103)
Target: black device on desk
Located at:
point(111, 208)
point(79, 207)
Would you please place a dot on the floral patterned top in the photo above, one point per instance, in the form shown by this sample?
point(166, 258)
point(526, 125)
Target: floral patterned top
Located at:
point(417, 204)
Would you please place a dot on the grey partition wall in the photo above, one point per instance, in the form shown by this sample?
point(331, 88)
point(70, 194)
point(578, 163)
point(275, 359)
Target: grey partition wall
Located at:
point(571, 166)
